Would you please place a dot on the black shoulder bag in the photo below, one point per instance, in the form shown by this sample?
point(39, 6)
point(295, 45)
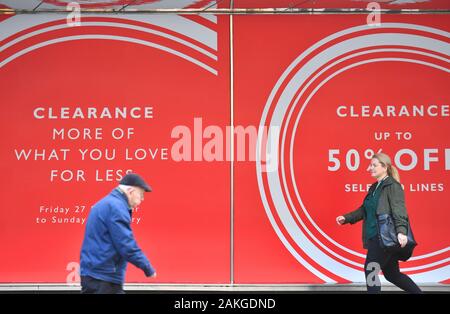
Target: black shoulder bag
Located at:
point(388, 237)
point(389, 240)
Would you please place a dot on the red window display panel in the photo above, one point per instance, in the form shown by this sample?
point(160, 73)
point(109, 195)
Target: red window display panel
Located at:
point(331, 91)
point(81, 105)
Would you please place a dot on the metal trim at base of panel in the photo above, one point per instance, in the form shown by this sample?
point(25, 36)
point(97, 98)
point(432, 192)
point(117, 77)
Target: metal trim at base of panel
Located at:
point(223, 288)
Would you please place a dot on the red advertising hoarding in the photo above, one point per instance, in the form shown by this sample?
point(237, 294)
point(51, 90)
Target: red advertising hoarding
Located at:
point(314, 97)
point(336, 91)
point(80, 107)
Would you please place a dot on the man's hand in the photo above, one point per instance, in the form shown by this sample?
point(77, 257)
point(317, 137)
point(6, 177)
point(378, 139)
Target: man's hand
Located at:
point(402, 239)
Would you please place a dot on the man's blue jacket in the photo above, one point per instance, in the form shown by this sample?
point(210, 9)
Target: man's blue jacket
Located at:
point(109, 243)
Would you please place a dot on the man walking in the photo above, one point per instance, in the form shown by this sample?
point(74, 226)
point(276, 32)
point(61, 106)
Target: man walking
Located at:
point(109, 243)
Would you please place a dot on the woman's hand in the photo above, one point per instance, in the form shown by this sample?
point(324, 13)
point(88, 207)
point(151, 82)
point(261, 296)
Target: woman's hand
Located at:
point(402, 239)
point(340, 220)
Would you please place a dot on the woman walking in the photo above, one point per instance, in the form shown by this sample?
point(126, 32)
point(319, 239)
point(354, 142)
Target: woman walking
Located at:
point(386, 196)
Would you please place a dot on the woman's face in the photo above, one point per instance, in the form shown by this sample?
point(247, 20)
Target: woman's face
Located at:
point(376, 169)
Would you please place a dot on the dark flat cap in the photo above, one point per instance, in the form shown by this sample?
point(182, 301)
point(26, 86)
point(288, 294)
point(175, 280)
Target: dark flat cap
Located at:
point(133, 179)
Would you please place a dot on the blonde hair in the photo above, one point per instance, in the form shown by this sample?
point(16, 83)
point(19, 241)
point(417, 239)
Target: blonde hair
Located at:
point(385, 160)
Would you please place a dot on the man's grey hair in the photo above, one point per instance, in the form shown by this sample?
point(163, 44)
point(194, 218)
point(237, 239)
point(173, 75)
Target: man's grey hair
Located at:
point(124, 187)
